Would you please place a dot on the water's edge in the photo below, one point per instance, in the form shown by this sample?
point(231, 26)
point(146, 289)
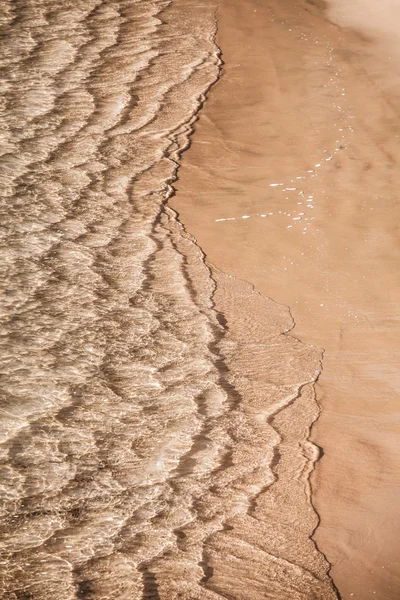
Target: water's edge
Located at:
point(157, 413)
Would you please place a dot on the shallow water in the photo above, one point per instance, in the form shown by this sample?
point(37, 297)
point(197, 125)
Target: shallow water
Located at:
point(292, 183)
point(155, 414)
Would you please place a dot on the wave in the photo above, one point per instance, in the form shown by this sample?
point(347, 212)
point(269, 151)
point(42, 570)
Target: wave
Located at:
point(145, 449)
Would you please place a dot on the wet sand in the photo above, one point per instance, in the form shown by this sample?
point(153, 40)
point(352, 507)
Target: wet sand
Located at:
point(291, 183)
point(157, 409)
point(155, 412)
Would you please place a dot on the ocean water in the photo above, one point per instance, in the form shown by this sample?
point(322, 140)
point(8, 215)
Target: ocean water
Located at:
point(142, 391)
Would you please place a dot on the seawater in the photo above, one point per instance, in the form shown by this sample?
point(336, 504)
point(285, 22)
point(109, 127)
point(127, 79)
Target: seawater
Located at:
point(138, 438)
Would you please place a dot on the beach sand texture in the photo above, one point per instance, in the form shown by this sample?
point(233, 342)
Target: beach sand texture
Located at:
point(157, 408)
point(292, 184)
point(145, 435)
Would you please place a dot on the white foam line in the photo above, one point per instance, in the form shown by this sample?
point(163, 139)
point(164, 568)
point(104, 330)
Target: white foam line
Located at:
point(227, 219)
point(275, 184)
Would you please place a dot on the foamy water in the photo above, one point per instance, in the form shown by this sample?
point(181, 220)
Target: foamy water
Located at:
point(140, 425)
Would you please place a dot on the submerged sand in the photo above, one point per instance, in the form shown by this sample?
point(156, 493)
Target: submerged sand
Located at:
point(156, 417)
point(156, 413)
point(291, 183)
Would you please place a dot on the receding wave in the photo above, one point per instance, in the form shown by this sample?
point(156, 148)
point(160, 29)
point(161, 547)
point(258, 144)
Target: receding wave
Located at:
point(155, 415)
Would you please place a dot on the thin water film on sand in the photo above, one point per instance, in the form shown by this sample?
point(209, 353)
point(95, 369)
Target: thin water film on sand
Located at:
point(155, 414)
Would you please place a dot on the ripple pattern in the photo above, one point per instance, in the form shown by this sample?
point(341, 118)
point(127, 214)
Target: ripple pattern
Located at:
point(145, 448)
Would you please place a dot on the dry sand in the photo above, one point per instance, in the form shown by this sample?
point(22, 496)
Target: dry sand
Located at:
point(292, 183)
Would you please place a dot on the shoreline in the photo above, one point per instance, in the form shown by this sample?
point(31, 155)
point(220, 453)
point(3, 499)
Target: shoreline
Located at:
point(226, 177)
point(159, 407)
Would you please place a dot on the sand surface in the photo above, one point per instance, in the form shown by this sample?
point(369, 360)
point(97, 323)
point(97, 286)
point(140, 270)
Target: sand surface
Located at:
point(155, 413)
point(156, 408)
point(291, 183)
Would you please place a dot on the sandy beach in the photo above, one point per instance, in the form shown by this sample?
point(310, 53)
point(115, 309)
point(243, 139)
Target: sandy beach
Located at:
point(291, 183)
point(199, 318)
